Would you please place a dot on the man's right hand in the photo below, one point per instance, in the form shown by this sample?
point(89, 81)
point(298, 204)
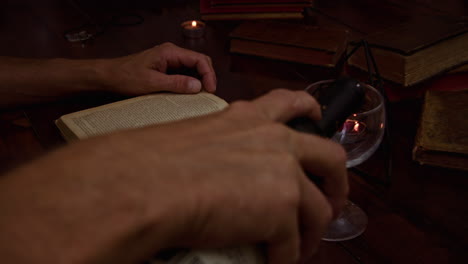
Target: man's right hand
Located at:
point(231, 178)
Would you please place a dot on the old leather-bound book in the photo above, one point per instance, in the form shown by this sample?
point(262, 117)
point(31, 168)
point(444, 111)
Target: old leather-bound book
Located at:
point(417, 49)
point(243, 11)
point(287, 41)
point(260, 3)
point(442, 137)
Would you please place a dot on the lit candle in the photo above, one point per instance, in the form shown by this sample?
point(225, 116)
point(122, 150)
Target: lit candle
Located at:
point(352, 131)
point(193, 29)
point(353, 127)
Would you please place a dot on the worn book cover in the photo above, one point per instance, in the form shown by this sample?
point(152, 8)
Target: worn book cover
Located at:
point(207, 8)
point(289, 42)
point(253, 16)
point(442, 137)
point(260, 3)
point(247, 2)
point(245, 11)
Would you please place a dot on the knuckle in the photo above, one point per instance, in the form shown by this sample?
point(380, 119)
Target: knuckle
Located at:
point(277, 138)
point(180, 84)
point(167, 49)
point(167, 45)
point(287, 161)
point(285, 166)
point(305, 97)
point(281, 92)
point(296, 100)
point(278, 132)
point(289, 197)
point(276, 135)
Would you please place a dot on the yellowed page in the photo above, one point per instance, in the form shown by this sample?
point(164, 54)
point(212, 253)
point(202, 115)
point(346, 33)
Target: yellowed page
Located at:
point(240, 255)
point(139, 112)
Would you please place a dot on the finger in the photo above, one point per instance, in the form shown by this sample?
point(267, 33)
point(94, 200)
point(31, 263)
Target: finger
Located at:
point(315, 214)
point(179, 57)
point(282, 105)
point(176, 83)
point(325, 159)
point(285, 249)
point(214, 75)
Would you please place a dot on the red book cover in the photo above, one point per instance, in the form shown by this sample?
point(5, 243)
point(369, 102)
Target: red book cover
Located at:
point(220, 2)
point(260, 2)
point(244, 4)
point(206, 8)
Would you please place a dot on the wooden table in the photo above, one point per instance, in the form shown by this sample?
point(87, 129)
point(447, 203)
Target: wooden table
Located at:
point(421, 217)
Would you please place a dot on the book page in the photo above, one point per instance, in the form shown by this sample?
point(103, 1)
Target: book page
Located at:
point(239, 255)
point(139, 112)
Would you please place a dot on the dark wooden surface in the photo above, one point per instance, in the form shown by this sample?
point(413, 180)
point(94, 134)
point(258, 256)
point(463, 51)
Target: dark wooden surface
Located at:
point(422, 217)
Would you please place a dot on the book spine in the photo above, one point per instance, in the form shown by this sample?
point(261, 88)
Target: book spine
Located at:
point(221, 2)
point(282, 52)
point(279, 5)
point(257, 3)
point(252, 16)
point(205, 8)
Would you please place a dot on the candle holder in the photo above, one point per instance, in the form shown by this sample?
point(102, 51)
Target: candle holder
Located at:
point(193, 28)
point(362, 129)
point(360, 137)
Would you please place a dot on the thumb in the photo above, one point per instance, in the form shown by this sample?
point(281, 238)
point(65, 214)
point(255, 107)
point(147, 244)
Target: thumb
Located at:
point(178, 84)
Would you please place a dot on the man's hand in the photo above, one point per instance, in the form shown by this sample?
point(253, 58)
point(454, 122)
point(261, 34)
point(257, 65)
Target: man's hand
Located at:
point(145, 72)
point(24, 81)
point(231, 178)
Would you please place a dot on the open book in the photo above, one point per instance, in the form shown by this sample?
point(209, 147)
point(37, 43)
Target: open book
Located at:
point(149, 110)
point(238, 255)
point(137, 112)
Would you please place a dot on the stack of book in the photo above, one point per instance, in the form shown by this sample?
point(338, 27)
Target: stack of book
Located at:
point(253, 9)
point(287, 41)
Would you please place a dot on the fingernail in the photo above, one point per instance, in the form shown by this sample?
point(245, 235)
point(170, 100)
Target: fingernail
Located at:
point(194, 86)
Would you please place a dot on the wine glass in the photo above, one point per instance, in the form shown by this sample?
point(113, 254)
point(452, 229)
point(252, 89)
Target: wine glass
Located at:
point(360, 135)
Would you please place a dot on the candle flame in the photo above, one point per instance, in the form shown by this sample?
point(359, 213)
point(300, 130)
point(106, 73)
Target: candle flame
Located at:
point(194, 23)
point(356, 126)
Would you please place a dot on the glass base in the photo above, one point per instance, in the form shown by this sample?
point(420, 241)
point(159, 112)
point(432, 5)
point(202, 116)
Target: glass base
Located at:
point(350, 224)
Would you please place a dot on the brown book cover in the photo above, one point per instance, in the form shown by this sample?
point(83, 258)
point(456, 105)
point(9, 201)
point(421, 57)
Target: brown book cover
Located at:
point(247, 2)
point(253, 16)
point(249, 12)
point(207, 8)
point(442, 137)
point(289, 41)
point(260, 3)
point(418, 49)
